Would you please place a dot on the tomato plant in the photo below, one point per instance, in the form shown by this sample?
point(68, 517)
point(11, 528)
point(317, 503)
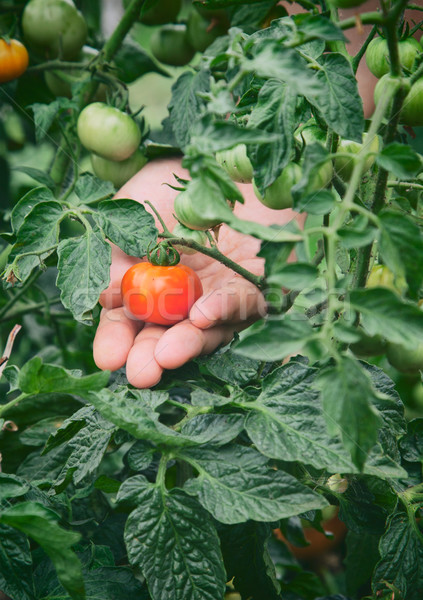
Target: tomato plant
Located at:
point(170, 45)
point(13, 60)
point(346, 3)
point(107, 131)
point(53, 27)
point(157, 438)
point(377, 55)
point(201, 32)
point(162, 294)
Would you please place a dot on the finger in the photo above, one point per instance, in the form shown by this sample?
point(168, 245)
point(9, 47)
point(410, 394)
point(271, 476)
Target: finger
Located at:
point(142, 368)
point(184, 341)
point(114, 337)
point(111, 297)
point(238, 301)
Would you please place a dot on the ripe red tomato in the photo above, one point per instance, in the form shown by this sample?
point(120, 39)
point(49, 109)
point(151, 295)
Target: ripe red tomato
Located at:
point(162, 295)
point(13, 60)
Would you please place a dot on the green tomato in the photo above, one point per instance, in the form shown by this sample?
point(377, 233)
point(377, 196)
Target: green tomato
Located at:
point(321, 178)
point(346, 3)
point(377, 55)
point(412, 109)
point(236, 163)
point(60, 82)
point(181, 231)
point(159, 13)
point(188, 212)
point(170, 45)
point(201, 32)
point(404, 359)
point(369, 345)
point(310, 133)
point(344, 165)
point(382, 276)
point(53, 27)
point(278, 195)
point(118, 172)
point(108, 132)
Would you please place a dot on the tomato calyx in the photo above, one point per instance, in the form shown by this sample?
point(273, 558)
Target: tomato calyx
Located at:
point(163, 255)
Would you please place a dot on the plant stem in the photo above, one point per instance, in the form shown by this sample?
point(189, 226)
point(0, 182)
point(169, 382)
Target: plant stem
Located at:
point(28, 308)
point(129, 17)
point(19, 293)
point(257, 280)
point(370, 18)
point(5, 407)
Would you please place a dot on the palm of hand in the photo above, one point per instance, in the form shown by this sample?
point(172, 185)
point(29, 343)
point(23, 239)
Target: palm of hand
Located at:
point(229, 302)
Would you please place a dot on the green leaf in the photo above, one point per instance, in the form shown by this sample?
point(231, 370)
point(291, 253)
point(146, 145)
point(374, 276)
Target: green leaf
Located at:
point(401, 562)
point(12, 486)
point(401, 247)
point(38, 175)
point(206, 172)
point(338, 100)
point(213, 429)
point(38, 433)
point(273, 112)
point(275, 338)
point(44, 115)
point(319, 27)
point(37, 238)
point(171, 537)
point(38, 378)
point(295, 276)
point(70, 426)
point(273, 61)
point(384, 313)
point(320, 202)
point(127, 224)
point(15, 564)
point(247, 559)
point(287, 422)
point(359, 571)
point(236, 484)
point(315, 155)
point(133, 62)
point(400, 160)
point(40, 524)
point(140, 455)
point(412, 443)
point(90, 189)
point(348, 397)
point(279, 233)
point(186, 104)
point(84, 272)
point(228, 367)
point(27, 203)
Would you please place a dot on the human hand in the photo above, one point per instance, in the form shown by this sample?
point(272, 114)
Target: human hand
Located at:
point(229, 302)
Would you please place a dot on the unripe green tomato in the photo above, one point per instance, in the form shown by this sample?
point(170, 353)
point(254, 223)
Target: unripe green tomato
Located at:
point(232, 596)
point(216, 14)
point(321, 179)
point(344, 165)
point(201, 32)
point(346, 3)
point(377, 55)
point(404, 359)
point(412, 109)
point(181, 231)
point(382, 276)
point(59, 82)
point(164, 11)
point(189, 213)
point(108, 131)
point(387, 85)
point(310, 134)
point(118, 172)
point(236, 163)
point(369, 345)
point(170, 45)
point(52, 27)
point(278, 195)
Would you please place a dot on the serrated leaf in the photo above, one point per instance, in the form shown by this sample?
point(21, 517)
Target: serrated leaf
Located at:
point(171, 537)
point(295, 276)
point(401, 247)
point(90, 189)
point(15, 564)
point(348, 398)
point(44, 115)
point(280, 233)
point(400, 160)
point(38, 175)
point(338, 100)
point(140, 455)
point(127, 224)
point(37, 238)
point(12, 486)
point(319, 27)
point(213, 429)
point(236, 484)
point(273, 112)
point(27, 203)
point(132, 62)
point(84, 272)
point(186, 104)
point(40, 524)
point(275, 338)
point(401, 562)
point(384, 313)
point(228, 367)
point(38, 378)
